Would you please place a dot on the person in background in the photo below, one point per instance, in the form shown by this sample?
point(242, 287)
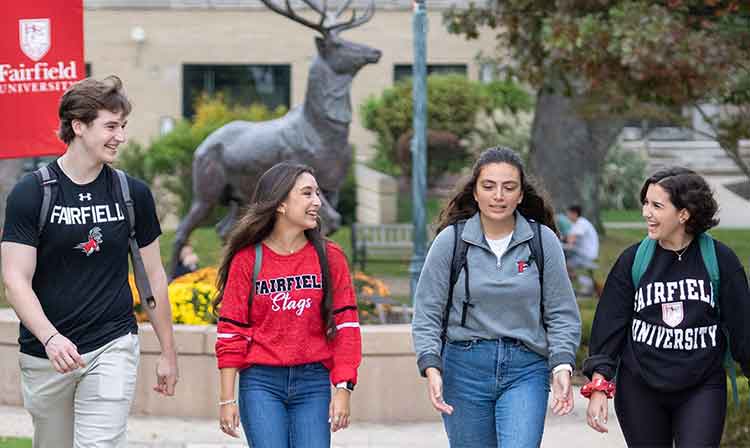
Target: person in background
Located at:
point(188, 261)
point(581, 247)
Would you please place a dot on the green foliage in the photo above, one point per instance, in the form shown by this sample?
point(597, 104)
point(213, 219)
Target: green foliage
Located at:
point(347, 205)
point(132, 159)
point(633, 58)
point(14, 442)
point(737, 425)
point(622, 178)
point(171, 156)
point(454, 103)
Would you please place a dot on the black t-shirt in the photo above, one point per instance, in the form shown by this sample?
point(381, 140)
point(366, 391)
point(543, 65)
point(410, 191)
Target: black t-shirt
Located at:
point(81, 276)
point(669, 329)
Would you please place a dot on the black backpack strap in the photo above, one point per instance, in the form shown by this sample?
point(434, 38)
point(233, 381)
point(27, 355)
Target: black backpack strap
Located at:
point(458, 262)
point(139, 269)
point(48, 181)
point(537, 254)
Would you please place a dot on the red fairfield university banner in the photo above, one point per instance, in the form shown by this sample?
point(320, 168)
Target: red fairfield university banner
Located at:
point(41, 55)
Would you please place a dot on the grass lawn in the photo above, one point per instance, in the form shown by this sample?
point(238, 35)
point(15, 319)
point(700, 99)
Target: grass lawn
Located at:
point(13, 442)
point(622, 215)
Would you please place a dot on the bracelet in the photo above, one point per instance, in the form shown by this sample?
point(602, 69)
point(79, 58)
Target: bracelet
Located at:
point(600, 385)
point(50, 338)
point(225, 402)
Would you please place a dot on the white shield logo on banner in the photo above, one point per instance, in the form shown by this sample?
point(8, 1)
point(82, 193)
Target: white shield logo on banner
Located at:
point(34, 36)
point(672, 313)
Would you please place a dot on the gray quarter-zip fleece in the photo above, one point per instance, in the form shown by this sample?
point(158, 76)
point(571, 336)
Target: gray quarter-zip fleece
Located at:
point(505, 299)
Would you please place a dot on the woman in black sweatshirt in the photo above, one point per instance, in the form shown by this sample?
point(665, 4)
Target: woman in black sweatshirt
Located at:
point(662, 328)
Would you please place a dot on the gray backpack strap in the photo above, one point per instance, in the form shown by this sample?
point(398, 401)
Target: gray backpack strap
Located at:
point(256, 273)
point(139, 269)
point(47, 182)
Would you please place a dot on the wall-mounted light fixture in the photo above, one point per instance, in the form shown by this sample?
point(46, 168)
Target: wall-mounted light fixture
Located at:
point(138, 35)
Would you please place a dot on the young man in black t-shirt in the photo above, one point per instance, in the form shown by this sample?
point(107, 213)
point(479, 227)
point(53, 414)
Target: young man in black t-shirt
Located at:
point(68, 283)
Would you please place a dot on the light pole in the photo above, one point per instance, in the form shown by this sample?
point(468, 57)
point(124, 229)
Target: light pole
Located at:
point(419, 144)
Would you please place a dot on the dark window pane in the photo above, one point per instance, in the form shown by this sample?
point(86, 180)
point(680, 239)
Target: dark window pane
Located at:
point(240, 84)
point(401, 71)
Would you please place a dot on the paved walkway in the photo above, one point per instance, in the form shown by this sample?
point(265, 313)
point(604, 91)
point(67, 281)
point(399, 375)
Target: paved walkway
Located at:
point(168, 432)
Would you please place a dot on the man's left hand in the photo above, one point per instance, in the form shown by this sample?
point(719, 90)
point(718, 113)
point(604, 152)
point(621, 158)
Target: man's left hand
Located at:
point(166, 374)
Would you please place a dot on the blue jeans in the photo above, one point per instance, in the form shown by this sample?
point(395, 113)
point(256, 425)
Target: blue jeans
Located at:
point(498, 390)
point(285, 407)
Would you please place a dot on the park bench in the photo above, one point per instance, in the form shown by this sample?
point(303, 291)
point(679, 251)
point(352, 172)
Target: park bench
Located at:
point(382, 242)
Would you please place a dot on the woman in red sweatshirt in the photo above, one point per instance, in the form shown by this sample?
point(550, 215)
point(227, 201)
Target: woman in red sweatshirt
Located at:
point(287, 319)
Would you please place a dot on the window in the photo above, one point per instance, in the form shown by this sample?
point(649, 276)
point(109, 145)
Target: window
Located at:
point(240, 84)
point(401, 71)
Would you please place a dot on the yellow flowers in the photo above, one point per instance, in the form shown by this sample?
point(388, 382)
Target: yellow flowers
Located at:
point(191, 297)
point(373, 298)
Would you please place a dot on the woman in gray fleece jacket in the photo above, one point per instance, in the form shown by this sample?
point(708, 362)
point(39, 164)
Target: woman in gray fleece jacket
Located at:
point(506, 331)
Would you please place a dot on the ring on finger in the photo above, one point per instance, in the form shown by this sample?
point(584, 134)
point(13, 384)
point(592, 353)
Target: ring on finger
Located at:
point(596, 418)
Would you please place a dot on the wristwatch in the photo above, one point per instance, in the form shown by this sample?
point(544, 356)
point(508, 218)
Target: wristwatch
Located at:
point(348, 385)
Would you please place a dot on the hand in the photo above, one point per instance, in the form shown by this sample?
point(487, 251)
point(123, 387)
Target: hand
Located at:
point(435, 391)
point(562, 393)
point(229, 419)
point(166, 374)
point(340, 409)
point(596, 414)
point(63, 354)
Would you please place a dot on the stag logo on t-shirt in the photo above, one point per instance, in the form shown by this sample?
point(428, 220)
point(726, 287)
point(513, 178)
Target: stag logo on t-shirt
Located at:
point(93, 243)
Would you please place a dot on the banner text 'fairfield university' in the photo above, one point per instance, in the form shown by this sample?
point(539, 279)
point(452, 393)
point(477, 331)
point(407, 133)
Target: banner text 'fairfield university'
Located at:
point(41, 55)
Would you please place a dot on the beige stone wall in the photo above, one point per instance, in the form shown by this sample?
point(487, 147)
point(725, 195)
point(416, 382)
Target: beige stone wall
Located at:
point(152, 71)
point(389, 389)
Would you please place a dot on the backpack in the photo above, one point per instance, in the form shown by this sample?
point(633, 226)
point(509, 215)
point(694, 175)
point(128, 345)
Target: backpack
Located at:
point(643, 257)
point(458, 262)
point(47, 179)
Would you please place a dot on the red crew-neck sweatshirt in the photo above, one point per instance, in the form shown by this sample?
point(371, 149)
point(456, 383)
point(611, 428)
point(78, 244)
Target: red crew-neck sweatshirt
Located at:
point(287, 327)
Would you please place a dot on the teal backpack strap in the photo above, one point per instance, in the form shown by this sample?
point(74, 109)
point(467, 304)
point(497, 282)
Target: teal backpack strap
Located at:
point(708, 252)
point(643, 257)
point(256, 273)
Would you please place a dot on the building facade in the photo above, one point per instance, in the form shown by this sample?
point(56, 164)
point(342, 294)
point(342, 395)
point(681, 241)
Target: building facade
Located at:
point(167, 51)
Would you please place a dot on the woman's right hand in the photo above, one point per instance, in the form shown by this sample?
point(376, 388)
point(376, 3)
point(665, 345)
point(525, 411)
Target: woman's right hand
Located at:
point(229, 419)
point(435, 391)
point(596, 414)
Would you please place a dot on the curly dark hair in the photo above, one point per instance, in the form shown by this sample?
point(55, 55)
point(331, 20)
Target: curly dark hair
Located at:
point(687, 190)
point(535, 204)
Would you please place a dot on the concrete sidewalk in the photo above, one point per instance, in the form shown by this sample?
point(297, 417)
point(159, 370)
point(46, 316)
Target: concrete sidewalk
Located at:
point(166, 432)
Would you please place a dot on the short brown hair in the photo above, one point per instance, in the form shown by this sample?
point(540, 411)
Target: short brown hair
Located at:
point(84, 99)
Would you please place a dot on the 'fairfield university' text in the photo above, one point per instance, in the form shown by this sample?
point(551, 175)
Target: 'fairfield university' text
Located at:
point(41, 77)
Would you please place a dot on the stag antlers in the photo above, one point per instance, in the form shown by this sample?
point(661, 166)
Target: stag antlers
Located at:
point(328, 23)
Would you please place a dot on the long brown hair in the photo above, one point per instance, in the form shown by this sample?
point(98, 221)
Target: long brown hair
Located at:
point(534, 205)
point(257, 223)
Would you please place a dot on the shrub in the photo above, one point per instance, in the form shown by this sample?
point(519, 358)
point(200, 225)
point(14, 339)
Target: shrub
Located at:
point(623, 174)
point(191, 298)
point(454, 103)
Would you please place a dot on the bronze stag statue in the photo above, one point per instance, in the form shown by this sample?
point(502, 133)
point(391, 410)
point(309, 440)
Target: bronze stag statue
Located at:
point(227, 165)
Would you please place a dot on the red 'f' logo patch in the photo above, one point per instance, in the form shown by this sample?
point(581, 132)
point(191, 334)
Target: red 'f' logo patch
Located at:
point(522, 265)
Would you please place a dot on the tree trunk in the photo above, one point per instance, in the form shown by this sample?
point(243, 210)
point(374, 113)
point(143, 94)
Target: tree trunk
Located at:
point(10, 169)
point(568, 151)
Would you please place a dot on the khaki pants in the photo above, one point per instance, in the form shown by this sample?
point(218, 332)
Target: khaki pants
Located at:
point(87, 407)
